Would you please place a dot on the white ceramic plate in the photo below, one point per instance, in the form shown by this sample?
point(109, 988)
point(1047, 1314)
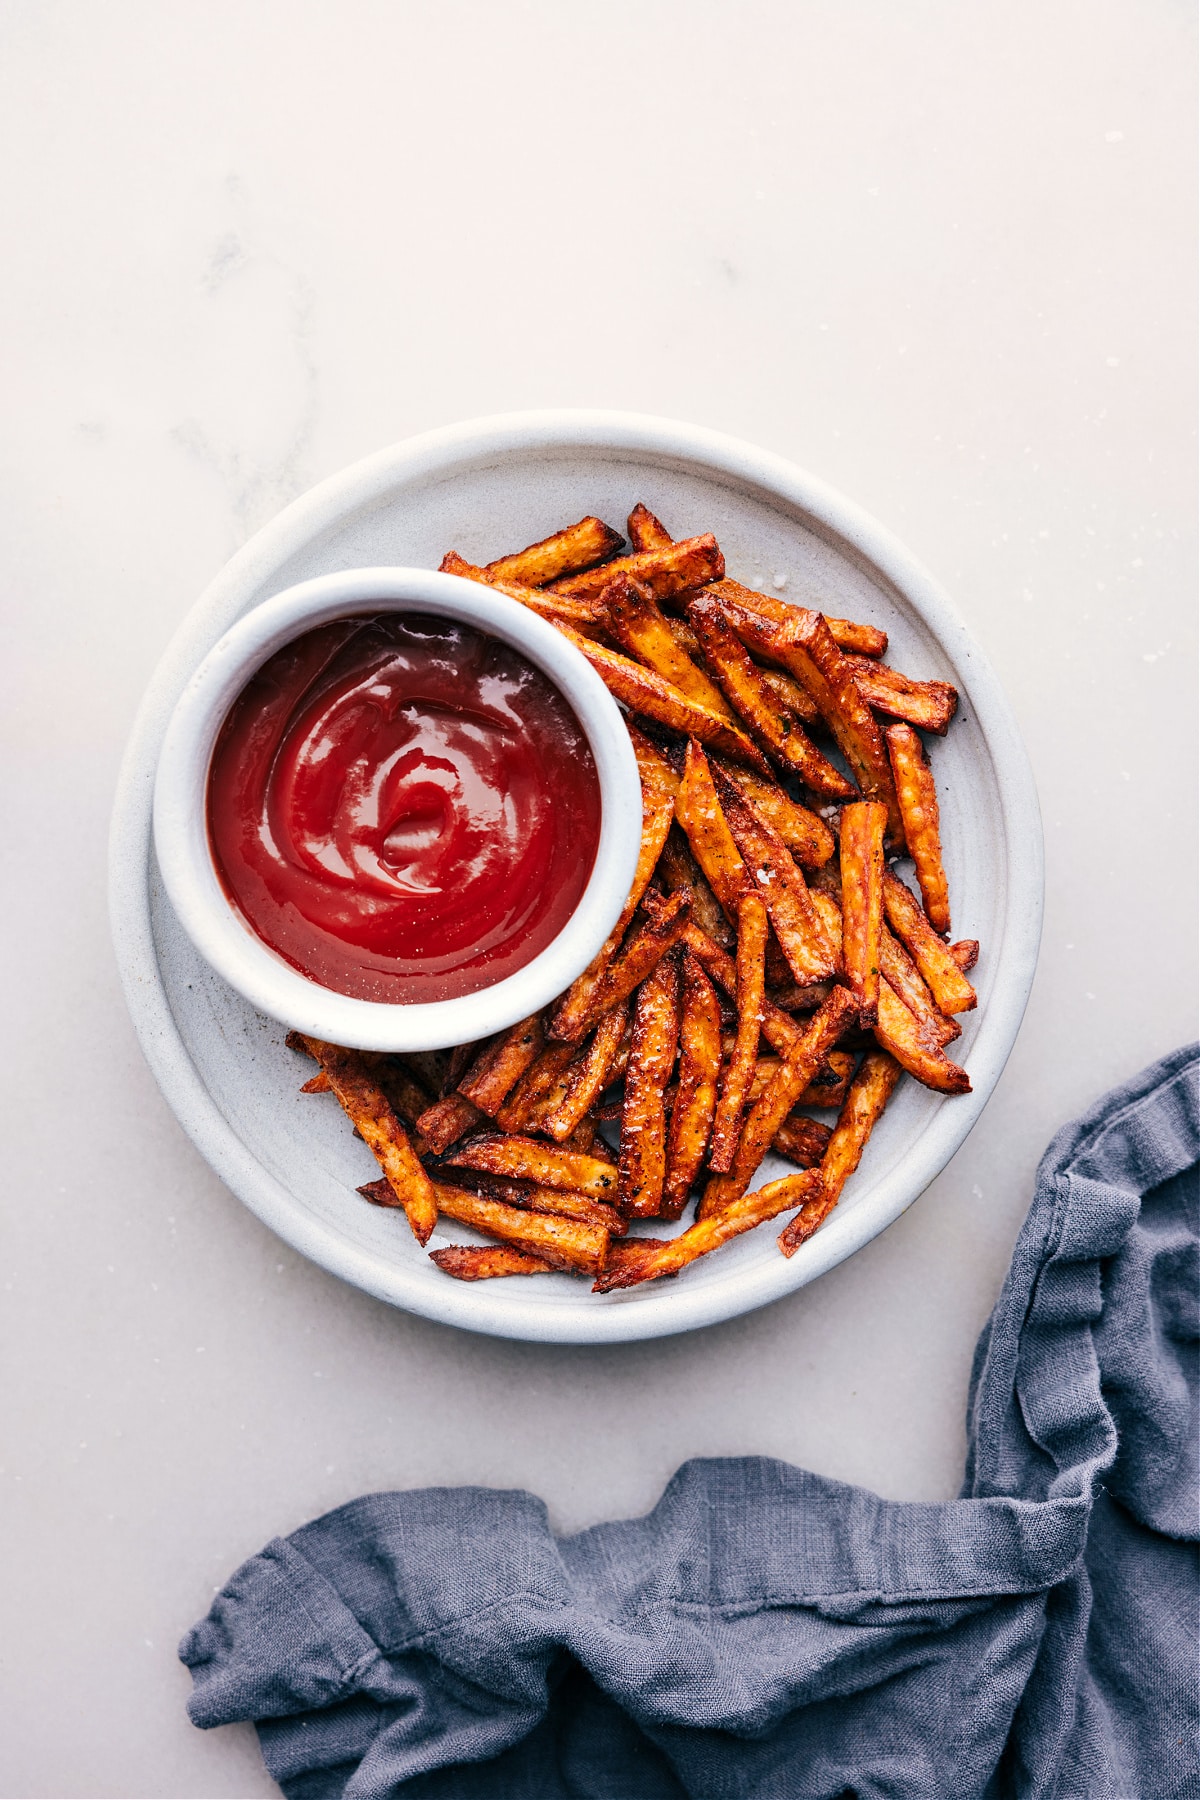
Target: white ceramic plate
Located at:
point(484, 488)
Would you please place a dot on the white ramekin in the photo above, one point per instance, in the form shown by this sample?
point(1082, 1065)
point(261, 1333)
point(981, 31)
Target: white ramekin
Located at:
point(223, 936)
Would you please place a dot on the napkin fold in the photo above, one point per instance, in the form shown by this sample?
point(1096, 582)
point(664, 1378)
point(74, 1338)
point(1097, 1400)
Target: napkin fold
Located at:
point(765, 1632)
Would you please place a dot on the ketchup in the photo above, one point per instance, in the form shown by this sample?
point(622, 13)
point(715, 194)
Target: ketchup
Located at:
point(403, 808)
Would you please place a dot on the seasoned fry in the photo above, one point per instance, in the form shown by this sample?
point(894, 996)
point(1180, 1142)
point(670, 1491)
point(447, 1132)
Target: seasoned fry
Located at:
point(901, 972)
point(316, 1084)
point(564, 552)
point(770, 866)
point(665, 572)
point(645, 532)
point(642, 691)
point(587, 1076)
point(497, 1069)
point(525, 1159)
point(567, 1242)
point(659, 784)
point(869, 1093)
point(965, 953)
point(899, 1031)
point(780, 1031)
point(919, 810)
point(678, 868)
point(801, 996)
point(366, 1106)
point(639, 627)
point(709, 1232)
point(929, 704)
point(802, 1140)
point(947, 983)
point(582, 615)
point(663, 929)
point(806, 835)
point(787, 693)
point(443, 1123)
point(773, 1107)
point(862, 829)
point(739, 1071)
point(698, 811)
point(695, 1099)
point(861, 640)
point(528, 1197)
point(778, 732)
point(538, 1091)
point(642, 1168)
point(483, 1262)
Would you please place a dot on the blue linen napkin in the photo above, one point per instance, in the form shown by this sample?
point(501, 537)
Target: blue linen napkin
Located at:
point(765, 1632)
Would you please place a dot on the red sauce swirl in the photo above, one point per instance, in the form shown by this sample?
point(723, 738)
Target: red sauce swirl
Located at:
point(403, 808)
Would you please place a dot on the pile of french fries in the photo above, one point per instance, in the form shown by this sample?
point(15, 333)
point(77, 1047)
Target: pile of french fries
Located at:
point(768, 960)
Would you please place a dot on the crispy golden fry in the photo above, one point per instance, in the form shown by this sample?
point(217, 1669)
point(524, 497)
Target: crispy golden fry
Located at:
point(637, 624)
point(868, 1095)
point(780, 1031)
point(582, 615)
point(659, 784)
point(587, 1076)
point(805, 833)
point(929, 704)
point(642, 691)
point(695, 1099)
point(645, 532)
point(642, 950)
point(773, 1107)
point(801, 1140)
point(567, 1242)
point(965, 953)
point(830, 915)
point(739, 1071)
point(788, 694)
point(564, 552)
point(678, 868)
point(665, 572)
point(778, 732)
point(769, 864)
point(528, 1197)
point(715, 1229)
point(804, 646)
point(699, 813)
point(862, 828)
point(801, 996)
point(483, 1262)
point(828, 1086)
point(899, 1031)
point(860, 640)
point(498, 1068)
point(443, 1123)
point(950, 988)
point(642, 1169)
point(901, 972)
point(526, 1159)
point(366, 1106)
point(919, 809)
point(539, 1090)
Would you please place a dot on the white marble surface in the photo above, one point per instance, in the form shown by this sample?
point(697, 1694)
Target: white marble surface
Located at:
point(940, 255)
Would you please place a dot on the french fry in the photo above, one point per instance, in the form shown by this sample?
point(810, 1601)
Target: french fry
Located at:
point(528, 1197)
point(902, 974)
point(950, 988)
point(539, 1090)
point(443, 1123)
point(802, 1140)
point(663, 929)
point(778, 732)
point(919, 810)
point(581, 615)
point(659, 784)
point(708, 1233)
point(639, 627)
point(780, 1031)
point(317, 1084)
point(801, 996)
point(739, 1071)
point(787, 693)
point(965, 953)
point(588, 1076)
point(899, 1031)
point(829, 1085)
point(645, 532)
point(929, 704)
point(567, 1242)
point(498, 1068)
point(367, 1108)
point(862, 828)
point(564, 552)
point(483, 1262)
point(773, 1107)
point(678, 868)
point(830, 915)
point(699, 813)
point(525, 1159)
point(805, 833)
point(695, 1099)
point(868, 1095)
point(769, 865)
point(803, 644)
point(642, 691)
point(665, 572)
point(642, 1168)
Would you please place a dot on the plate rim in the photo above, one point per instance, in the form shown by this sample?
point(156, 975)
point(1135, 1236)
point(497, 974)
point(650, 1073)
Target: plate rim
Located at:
point(130, 860)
